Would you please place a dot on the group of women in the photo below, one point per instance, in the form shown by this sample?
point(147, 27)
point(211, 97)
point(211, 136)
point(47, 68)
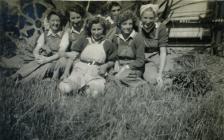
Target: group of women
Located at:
point(85, 52)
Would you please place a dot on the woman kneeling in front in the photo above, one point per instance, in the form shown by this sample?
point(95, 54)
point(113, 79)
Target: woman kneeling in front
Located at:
point(97, 55)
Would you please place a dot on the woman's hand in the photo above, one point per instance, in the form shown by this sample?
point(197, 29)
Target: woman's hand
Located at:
point(103, 69)
point(159, 80)
point(123, 72)
point(64, 76)
point(42, 60)
point(61, 54)
point(37, 57)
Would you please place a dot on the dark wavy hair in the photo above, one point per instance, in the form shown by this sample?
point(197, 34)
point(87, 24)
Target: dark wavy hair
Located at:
point(76, 8)
point(95, 20)
point(57, 13)
point(113, 3)
point(126, 15)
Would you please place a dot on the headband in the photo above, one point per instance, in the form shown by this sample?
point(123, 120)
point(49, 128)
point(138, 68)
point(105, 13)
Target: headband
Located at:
point(154, 7)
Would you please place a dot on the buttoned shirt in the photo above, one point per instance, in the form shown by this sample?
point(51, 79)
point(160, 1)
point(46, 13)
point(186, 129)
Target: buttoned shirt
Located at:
point(41, 39)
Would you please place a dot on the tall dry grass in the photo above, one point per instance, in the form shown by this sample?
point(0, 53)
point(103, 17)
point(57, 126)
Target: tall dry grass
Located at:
point(36, 110)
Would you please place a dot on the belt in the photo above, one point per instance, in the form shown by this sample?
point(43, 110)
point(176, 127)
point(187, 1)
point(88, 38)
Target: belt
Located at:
point(91, 62)
point(125, 61)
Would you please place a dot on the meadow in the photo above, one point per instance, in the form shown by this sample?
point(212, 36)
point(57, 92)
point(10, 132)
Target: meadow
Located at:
point(190, 106)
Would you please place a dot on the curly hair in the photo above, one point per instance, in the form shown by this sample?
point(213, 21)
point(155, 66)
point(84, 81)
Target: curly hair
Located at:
point(126, 15)
point(95, 20)
point(76, 8)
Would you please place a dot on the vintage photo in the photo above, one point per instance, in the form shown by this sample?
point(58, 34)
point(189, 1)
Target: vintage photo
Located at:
point(111, 70)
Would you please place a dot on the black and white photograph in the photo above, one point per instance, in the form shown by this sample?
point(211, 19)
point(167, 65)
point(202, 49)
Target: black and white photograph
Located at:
point(111, 69)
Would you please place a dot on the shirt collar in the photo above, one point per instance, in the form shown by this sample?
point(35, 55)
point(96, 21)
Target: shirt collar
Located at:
point(51, 33)
point(93, 41)
point(75, 31)
point(157, 24)
point(132, 35)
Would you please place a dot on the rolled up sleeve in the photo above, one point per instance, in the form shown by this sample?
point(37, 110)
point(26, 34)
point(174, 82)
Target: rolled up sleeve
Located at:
point(40, 44)
point(79, 45)
point(111, 51)
point(163, 36)
point(64, 42)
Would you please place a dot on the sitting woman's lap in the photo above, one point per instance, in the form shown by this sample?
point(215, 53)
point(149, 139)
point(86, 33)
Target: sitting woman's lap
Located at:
point(83, 75)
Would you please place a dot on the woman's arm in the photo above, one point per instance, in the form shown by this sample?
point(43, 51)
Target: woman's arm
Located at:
point(63, 46)
point(40, 44)
point(105, 67)
point(111, 51)
point(111, 54)
point(163, 42)
point(73, 55)
point(161, 66)
point(43, 59)
point(68, 67)
point(162, 60)
point(52, 58)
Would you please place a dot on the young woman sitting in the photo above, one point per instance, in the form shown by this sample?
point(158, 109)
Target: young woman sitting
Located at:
point(96, 56)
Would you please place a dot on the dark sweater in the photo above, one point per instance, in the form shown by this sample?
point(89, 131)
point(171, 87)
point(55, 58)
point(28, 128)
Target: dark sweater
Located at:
point(148, 43)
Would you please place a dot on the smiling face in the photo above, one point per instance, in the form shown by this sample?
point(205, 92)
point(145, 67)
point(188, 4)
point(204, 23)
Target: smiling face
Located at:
point(148, 20)
point(75, 19)
point(97, 31)
point(115, 11)
point(54, 23)
point(127, 27)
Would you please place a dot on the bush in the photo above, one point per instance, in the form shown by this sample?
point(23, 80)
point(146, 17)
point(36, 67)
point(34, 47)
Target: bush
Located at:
point(191, 77)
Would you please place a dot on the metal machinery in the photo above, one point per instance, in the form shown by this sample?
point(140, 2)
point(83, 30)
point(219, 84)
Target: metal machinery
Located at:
point(196, 24)
point(190, 22)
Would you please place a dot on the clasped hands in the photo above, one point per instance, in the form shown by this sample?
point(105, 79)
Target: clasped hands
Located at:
point(42, 59)
point(125, 73)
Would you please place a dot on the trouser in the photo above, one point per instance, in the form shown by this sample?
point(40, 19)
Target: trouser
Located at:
point(129, 77)
point(34, 70)
point(83, 74)
point(15, 61)
point(152, 67)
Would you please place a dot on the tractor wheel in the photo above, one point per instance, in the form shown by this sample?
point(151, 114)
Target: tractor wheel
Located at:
point(32, 19)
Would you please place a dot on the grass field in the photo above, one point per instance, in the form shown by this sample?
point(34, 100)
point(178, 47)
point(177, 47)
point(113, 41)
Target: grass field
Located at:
point(191, 107)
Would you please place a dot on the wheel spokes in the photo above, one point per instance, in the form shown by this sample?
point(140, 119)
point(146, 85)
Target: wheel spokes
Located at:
point(25, 29)
point(35, 11)
point(31, 17)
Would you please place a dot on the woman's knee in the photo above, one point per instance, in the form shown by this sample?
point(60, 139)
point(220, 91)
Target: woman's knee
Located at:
point(150, 73)
point(68, 85)
point(150, 77)
point(60, 64)
point(65, 87)
point(97, 87)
